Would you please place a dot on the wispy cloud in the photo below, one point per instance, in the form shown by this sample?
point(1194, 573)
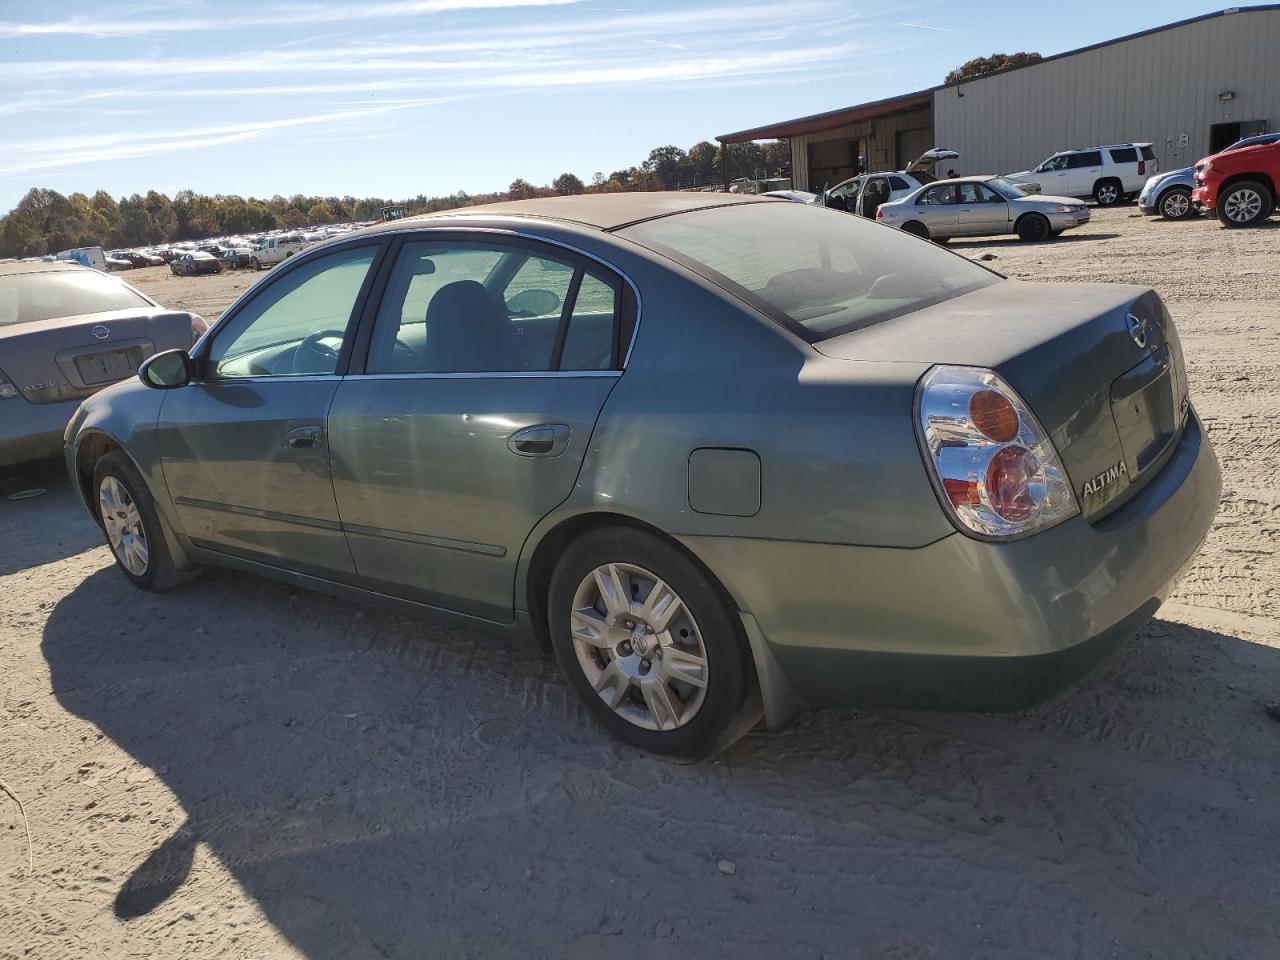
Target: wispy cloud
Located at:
point(928, 26)
point(24, 157)
point(110, 24)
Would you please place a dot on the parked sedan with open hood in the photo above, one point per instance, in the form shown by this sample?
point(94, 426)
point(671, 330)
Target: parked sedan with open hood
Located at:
point(701, 446)
point(981, 207)
point(65, 332)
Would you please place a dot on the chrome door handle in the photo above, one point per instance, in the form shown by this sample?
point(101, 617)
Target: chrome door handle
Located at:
point(543, 440)
point(303, 438)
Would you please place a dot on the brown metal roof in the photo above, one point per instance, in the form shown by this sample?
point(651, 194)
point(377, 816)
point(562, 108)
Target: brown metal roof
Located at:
point(833, 118)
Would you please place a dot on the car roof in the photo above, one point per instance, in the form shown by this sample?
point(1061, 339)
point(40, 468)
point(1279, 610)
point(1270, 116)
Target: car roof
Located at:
point(602, 211)
point(43, 266)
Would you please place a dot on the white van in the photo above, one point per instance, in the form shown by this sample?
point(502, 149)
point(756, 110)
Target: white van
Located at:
point(92, 257)
point(1107, 174)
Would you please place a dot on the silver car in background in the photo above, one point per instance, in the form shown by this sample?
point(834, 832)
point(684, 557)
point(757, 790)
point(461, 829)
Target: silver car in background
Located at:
point(66, 332)
point(981, 207)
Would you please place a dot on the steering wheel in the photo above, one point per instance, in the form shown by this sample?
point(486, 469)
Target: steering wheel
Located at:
point(313, 355)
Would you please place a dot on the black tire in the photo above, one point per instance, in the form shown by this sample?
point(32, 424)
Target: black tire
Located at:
point(717, 722)
point(1175, 204)
point(1034, 228)
point(160, 573)
point(916, 229)
point(257, 264)
point(1108, 193)
point(1237, 198)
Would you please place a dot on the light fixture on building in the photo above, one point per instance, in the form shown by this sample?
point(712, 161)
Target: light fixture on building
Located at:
point(1227, 95)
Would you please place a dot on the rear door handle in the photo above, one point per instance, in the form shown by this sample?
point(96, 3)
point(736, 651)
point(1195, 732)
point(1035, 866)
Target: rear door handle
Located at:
point(543, 440)
point(303, 438)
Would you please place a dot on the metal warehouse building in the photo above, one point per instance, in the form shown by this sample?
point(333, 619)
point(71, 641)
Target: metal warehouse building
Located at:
point(1189, 88)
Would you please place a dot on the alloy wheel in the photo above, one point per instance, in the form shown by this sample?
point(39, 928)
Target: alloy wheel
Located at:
point(1176, 205)
point(1108, 195)
point(1243, 206)
point(639, 646)
point(123, 524)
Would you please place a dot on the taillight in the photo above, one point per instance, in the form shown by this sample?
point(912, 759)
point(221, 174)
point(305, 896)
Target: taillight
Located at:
point(199, 325)
point(879, 214)
point(995, 468)
point(1142, 167)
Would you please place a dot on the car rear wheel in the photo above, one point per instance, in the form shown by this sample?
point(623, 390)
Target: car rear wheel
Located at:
point(1107, 193)
point(916, 229)
point(1034, 227)
point(1244, 204)
point(648, 643)
point(1175, 204)
point(127, 513)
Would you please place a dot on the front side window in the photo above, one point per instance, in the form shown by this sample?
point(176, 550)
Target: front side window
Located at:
point(1058, 162)
point(479, 307)
point(816, 274)
point(296, 326)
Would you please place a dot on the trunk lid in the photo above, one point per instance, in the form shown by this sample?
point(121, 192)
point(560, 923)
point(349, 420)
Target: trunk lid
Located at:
point(69, 358)
point(928, 161)
point(1099, 364)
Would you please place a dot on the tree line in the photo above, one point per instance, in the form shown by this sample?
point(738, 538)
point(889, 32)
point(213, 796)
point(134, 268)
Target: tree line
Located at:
point(45, 221)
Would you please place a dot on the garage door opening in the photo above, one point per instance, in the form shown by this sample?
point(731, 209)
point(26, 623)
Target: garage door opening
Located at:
point(1223, 135)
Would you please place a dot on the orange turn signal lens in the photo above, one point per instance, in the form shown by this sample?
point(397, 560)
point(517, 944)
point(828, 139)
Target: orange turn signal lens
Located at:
point(993, 415)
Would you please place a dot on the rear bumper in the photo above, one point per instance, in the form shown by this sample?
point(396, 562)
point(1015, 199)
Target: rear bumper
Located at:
point(32, 431)
point(966, 625)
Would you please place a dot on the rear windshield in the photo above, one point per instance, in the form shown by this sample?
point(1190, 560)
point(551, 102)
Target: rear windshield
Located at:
point(818, 272)
point(27, 297)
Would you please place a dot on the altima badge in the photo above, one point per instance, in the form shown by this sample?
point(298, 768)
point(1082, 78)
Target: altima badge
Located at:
point(1106, 478)
point(101, 332)
point(1137, 329)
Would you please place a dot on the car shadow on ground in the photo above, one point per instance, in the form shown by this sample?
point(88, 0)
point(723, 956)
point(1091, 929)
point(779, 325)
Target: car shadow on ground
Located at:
point(385, 788)
point(35, 500)
point(982, 243)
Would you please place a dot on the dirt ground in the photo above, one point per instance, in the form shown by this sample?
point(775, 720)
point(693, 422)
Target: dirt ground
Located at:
point(240, 770)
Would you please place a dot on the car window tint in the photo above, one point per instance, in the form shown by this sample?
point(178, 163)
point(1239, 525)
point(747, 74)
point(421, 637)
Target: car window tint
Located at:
point(937, 195)
point(817, 274)
point(899, 184)
point(312, 301)
point(28, 297)
point(1124, 155)
point(1092, 158)
point(1148, 153)
point(588, 342)
point(463, 307)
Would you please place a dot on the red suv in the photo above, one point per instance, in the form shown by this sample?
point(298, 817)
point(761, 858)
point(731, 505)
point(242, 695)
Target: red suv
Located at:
point(1240, 185)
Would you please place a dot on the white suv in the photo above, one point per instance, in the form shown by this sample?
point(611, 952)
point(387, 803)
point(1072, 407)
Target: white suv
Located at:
point(1107, 174)
point(880, 188)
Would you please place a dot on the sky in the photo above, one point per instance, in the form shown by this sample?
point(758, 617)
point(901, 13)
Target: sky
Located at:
point(394, 98)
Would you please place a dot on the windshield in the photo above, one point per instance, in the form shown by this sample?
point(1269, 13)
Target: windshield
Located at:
point(28, 297)
point(1006, 188)
point(818, 272)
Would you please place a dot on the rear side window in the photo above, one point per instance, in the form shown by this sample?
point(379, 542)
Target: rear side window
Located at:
point(1125, 155)
point(28, 297)
point(816, 272)
point(899, 184)
point(1148, 153)
point(1091, 158)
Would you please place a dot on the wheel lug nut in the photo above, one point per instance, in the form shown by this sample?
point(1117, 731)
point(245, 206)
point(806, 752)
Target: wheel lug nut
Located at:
point(644, 666)
point(624, 648)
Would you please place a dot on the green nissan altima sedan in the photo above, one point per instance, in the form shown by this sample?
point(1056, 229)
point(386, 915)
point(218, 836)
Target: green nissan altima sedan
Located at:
point(723, 455)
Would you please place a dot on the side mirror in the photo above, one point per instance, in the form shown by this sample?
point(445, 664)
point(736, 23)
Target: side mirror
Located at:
point(166, 371)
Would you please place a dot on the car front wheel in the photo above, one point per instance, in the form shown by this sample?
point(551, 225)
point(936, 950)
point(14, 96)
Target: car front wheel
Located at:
point(1244, 204)
point(1175, 204)
point(127, 513)
point(1034, 227)
point(648, 643)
